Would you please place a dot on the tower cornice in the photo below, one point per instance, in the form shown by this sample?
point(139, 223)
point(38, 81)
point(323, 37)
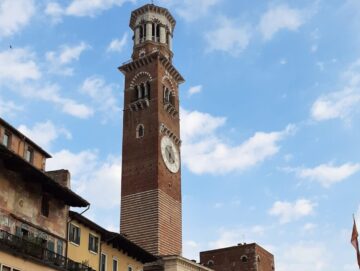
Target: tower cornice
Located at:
point(146, 60)
point(153, 8)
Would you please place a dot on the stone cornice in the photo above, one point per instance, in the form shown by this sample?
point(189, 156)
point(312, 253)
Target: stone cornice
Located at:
point(151, 7)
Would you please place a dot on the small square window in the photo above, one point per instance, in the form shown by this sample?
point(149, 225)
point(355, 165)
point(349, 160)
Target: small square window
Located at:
point(5, 268)
point(29, 155)
point(93, 243)
point(74, 234)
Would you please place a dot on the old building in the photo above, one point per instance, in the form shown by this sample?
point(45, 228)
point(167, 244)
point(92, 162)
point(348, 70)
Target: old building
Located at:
point(243, 257)
point(34, 207)
point(103, 250)
point(151, 175)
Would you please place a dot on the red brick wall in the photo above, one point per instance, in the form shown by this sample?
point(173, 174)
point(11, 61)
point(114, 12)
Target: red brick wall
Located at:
point(230, 259)
point(151, 194)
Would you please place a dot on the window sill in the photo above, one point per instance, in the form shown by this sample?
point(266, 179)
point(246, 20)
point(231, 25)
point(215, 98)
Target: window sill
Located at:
point(74, 244)
point(93, 252)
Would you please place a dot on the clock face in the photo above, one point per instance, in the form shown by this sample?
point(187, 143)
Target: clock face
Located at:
point(170, 154)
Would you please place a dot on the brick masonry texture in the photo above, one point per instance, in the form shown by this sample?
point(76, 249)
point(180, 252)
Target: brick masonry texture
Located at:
point(231, 258)
point(152, 219)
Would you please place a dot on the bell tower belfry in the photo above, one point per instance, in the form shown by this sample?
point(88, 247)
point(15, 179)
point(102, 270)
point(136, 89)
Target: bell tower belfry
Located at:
point(151, 173)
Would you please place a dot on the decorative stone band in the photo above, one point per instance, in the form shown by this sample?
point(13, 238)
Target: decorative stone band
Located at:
point(166, 131)
point(139, 104)
point(171, 110)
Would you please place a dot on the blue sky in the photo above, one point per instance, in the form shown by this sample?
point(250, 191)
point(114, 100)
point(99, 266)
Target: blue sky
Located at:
point(269, 114)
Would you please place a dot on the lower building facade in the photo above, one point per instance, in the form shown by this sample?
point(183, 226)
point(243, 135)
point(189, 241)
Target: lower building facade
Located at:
point(243, 257)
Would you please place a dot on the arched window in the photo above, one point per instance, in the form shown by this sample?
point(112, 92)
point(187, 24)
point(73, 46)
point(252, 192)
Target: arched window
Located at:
point(244, 258)
point(258, 259)
point(140, 131)
point(142, 87)
point(210, 263)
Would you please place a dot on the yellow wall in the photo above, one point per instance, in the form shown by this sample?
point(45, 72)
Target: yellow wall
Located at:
point(81, 253)
point(123, 260)
point(21, 264)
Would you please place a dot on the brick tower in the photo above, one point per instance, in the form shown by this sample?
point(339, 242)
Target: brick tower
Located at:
point(151, 177)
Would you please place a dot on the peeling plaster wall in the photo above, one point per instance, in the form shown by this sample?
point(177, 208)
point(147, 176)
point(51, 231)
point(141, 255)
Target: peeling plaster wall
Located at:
point(21, 201)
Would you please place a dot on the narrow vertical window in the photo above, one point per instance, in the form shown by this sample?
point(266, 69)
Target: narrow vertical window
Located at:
point(142, 87)
point(115, 265)
point(148, 89)
point(103, 262)
point(60, 247)
point(157, 32)
point(93, 243)
point(7, 139)
point(140, 131)
point(141, 33)
point(45, 205)
point(74, 234)
point(29, 155)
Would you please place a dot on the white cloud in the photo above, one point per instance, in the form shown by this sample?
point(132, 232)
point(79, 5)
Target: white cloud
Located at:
point(51, 93)
point(204, 152)
point(44, 133)
point(14, 15)
point(309, 227)
point(232, 236)
point(194, 90)
point(194, 124)
point(328, 174)
point(9, 108)
point(291, 211)
point(190, 10)
point(117, 45)
point(54, 10)
point(21, 74)
point(90, 175)
point(230, 36)
point(65, 55)
point(191, 249)
point(340, 104)
point(102, 95)
point(278, 18)
point(303, 256)
point(82, 8)
point(335, 105)
point(18, 65)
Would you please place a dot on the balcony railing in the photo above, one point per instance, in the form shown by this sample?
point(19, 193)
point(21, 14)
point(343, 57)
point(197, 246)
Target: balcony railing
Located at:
point(33, 250)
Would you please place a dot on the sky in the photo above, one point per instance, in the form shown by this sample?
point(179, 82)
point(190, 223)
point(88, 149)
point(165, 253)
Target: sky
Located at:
point(270, 115)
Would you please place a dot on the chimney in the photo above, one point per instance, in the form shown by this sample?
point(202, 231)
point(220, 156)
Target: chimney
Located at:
point(61, 176)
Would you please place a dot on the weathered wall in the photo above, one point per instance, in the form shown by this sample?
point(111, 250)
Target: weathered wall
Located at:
point(81, 253)
point(19, 145)
point(23, 200)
